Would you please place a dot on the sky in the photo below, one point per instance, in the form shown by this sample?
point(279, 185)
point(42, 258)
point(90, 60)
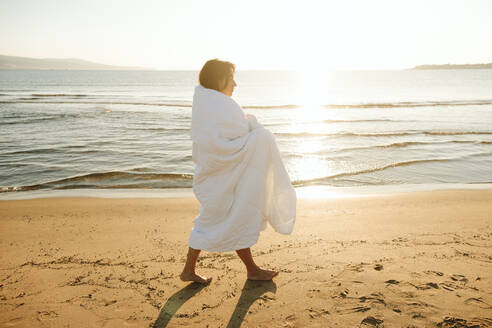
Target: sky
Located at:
point(301, 35)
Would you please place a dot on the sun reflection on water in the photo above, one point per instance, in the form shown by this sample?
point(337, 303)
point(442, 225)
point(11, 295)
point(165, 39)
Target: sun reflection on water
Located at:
point(312, 161)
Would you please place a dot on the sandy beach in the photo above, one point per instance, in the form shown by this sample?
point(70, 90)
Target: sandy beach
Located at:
point(418, 259)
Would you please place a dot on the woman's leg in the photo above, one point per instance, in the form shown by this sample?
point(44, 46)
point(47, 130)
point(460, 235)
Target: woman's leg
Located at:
point(254, 271)
point(188, 273)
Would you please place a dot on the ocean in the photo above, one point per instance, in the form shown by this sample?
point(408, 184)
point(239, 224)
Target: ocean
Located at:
point(130, 129)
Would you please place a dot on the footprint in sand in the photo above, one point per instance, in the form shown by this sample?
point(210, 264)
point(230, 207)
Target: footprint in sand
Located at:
point(459, 277)
point(432, 285)
point(290, 320)
point(343, 293)
point(378, 267)
point(425, 286)
point(420, 304)
point(448, 322)
point(373, 298)
point(352, 309)
point(317, 313)
point(359, 309)
point(437, 273)
point(478, 301)
point(417, 316)
point(356, 267)
point(373, 322)
point(449, 286)
point(46, 315)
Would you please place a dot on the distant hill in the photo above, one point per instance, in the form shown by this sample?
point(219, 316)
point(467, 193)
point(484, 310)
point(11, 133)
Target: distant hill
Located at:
point(451, 66)
point(11, 62)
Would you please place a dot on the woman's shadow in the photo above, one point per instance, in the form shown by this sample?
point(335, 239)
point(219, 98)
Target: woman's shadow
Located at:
point(252, 290)
point(175, 302)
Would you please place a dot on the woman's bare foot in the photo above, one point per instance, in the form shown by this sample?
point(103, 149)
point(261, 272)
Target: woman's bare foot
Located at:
point(260, 274)
point(186, 276)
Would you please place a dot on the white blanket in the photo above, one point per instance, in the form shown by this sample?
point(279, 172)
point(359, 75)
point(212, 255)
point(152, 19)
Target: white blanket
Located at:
point(240, 180)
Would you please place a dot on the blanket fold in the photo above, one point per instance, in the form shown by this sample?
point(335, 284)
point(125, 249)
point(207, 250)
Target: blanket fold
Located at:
point(240, 180)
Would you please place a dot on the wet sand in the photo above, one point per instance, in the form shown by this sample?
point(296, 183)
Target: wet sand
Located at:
point(418, 259)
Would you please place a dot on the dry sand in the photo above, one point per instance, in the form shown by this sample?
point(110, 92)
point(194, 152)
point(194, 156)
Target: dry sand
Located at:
point(420, 259)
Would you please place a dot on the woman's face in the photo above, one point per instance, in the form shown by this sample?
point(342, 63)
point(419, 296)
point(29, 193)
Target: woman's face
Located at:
point(230, 85)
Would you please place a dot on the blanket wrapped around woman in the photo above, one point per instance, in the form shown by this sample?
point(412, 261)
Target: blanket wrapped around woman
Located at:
point(240, 180)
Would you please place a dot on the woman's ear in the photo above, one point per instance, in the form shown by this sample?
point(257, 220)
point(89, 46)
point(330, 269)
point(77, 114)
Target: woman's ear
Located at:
point(222, 84)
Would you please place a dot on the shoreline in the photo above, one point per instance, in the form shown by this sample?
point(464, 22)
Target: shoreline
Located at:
point(310, 192)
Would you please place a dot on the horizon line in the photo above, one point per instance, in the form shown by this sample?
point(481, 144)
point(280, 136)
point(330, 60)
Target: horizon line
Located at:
point(143, 68)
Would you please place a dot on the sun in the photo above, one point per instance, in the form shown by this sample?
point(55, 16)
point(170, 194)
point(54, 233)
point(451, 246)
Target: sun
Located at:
point(311, 89)
point(311, 94)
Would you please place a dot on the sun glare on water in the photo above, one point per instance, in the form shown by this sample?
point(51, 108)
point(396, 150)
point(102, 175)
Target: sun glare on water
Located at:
point(312, 93)
point(309, 122)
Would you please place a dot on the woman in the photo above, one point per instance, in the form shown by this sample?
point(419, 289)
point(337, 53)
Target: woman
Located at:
point(239, 179)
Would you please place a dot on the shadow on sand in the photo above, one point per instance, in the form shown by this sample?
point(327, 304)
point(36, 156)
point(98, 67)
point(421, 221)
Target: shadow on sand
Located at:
point(252, 290)
point(175, 302)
